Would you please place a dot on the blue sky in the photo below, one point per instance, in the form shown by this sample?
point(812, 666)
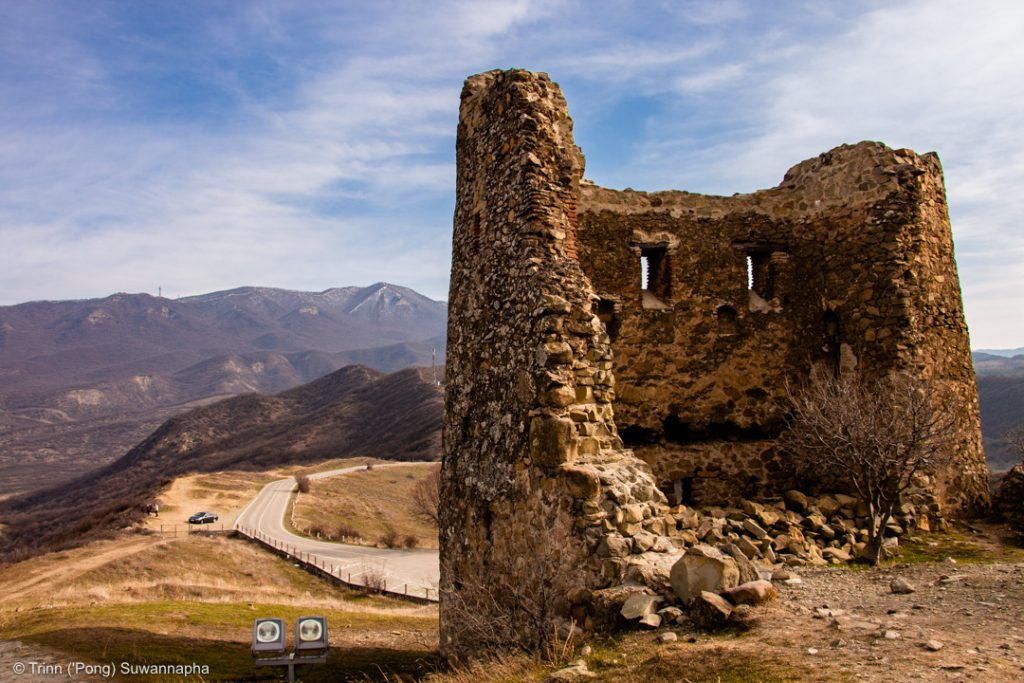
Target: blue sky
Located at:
point(206, 145)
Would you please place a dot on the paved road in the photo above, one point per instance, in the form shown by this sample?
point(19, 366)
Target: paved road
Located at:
point(263, 518)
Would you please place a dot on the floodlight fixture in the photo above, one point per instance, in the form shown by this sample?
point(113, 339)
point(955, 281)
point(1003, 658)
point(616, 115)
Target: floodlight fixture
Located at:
point(268, 636)
point(311, 633)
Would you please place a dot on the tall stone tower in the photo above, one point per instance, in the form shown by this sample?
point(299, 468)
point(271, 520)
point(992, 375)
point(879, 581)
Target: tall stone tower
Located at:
point(533, 467)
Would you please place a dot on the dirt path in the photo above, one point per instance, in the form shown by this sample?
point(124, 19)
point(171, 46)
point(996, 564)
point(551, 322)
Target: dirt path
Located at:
point(46, 574)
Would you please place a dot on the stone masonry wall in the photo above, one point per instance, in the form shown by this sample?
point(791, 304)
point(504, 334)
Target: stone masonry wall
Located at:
point(540, 503)
point(852, 264)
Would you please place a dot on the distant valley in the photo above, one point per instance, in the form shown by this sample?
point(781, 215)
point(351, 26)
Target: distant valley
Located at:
point(81, 382)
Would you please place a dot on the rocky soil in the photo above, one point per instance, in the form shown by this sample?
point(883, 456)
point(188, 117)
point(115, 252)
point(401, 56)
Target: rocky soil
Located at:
point(961, 622)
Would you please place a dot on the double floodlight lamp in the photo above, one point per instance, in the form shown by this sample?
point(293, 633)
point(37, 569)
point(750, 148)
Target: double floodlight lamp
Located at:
point(268, 635)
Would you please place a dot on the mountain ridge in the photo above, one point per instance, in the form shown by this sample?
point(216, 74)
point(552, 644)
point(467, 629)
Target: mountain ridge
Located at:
point(83, 380)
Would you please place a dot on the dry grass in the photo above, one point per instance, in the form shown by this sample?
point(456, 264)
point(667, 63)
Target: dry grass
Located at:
point(197, 568)
point(193, 599)
point(375, 503)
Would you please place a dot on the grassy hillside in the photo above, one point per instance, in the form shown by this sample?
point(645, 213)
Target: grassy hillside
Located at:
point(146, 600)
point(352, 412)
point(370, 502)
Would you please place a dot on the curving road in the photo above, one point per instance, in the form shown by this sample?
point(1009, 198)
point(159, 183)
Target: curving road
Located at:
point(412, 571)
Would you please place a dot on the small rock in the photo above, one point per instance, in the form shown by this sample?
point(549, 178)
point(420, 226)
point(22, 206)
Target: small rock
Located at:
point(586, 651)
point(710, 611)
point(754, 529)
point(639, 605)
point(892, 635)
point(670, 615)
point(795, 500)
point(650, 620)
point(574, 672)
point(837, 554)
point(812, 650)
point(752, 593)
point(743, 615)
point(901, 586)
point(748, 548)
point(668, 637)
point(934, 645)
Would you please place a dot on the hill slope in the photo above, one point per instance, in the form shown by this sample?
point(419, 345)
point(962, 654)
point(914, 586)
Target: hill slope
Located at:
point(353, 411)
point(83, 381)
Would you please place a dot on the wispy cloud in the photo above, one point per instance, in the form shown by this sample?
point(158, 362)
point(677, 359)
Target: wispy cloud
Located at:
point(206, 145)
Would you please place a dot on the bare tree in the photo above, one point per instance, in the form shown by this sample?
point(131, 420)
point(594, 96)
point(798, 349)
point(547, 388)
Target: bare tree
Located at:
point(302, 481)
point(1008, 496)
point(1015, 440)
point(426, 496)
point(874, 437)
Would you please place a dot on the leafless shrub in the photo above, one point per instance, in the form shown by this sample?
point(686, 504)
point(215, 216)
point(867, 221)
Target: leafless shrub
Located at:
point(348, 532)
point(426, 496)
point(874, 437)
point(369, 466)
point(389, 539)
point(521, 605)
point(303, 483)
point(1015, 440)
point(410, 541)
point(375, 580)
point(318, 531)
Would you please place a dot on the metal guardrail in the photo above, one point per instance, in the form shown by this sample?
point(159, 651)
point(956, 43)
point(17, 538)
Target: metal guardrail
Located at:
point(171, 530)
point(339, 575)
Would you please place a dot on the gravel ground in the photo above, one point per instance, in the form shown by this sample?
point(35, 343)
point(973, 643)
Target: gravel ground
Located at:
point(962, 622)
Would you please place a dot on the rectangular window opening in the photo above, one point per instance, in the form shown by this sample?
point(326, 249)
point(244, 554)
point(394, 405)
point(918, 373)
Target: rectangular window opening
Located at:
point(759, 280)
point(655, 277)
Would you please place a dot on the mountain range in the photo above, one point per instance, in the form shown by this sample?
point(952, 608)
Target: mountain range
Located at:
point(351, 412)
point(81, 382)
point(1001, 396)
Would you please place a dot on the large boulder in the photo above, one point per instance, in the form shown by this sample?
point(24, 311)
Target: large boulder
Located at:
point(703, 568)
point(1008, 499)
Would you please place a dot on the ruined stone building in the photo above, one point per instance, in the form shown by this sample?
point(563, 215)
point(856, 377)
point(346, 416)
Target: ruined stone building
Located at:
point(611, 351)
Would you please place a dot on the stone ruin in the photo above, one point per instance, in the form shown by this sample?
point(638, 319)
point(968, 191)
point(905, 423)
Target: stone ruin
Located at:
point(612, 352)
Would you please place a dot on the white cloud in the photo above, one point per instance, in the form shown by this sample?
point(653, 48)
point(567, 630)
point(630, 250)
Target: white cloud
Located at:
point(338, 169)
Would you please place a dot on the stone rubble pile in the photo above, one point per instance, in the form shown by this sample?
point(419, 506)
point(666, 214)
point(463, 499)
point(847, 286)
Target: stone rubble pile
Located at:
point(721, 561)
point(1008, 500)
